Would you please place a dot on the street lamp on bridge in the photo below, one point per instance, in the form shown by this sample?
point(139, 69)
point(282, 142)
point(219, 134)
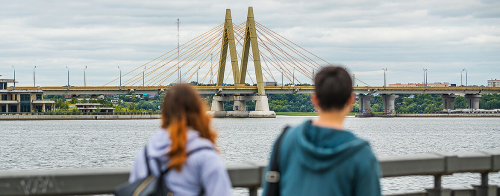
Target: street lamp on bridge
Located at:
point(34, 76)
point(198, 70)
point(211, 69)
point(465, 77)
point(84, 77)
point(68, 76)
point(120, 77)
point(385, 69)
point(425, 77)
point(143, 75)
point(282, 84)
point(14, 76)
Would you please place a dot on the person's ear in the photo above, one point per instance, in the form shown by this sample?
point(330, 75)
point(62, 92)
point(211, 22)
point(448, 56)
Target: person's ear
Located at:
point(314, 101)
point(353, 99)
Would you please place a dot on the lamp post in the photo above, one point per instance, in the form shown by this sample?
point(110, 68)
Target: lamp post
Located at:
point(14, 76)
point(312, 78)
point(465, 76)
point(282, 84)
point(211, 70)
point(68, 76)
point(425, 77)
point(143, 75)
point(84, 77)
point(34, 76)
point(198, 70)
point(385, 69)
point(293, 77)
point(120, 77)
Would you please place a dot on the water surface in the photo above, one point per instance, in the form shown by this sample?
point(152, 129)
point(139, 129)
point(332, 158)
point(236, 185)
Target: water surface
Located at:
point(31, 145)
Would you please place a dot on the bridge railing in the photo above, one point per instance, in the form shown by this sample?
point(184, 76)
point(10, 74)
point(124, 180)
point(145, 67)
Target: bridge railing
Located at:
point(249, 175)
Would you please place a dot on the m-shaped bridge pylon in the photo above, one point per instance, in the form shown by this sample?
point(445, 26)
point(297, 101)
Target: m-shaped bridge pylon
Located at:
point(228, 43)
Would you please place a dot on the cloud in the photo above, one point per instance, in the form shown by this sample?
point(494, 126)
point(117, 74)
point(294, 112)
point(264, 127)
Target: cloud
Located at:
point(363, 35)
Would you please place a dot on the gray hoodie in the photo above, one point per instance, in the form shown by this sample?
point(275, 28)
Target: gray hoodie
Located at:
point(203, 172)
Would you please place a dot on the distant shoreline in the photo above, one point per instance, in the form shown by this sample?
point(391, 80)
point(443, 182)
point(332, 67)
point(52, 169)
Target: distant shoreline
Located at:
point(157, 116)
point(78, 117)
point(417, 115)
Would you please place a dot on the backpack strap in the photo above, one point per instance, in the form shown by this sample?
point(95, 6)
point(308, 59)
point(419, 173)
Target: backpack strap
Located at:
point(158, 163)
point(273, 175)
point(147, 160)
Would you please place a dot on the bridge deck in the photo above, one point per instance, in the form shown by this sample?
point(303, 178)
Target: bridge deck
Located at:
point(52, 90)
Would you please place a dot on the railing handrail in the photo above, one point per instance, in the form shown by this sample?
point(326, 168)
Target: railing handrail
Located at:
point(248, 175)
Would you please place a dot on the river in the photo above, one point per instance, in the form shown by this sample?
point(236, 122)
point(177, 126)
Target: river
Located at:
point(32, 145)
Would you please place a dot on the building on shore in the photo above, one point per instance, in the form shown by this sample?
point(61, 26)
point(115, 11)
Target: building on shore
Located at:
point(435, 84)
point(93, 107)
point(493, 83)
point(17, 100)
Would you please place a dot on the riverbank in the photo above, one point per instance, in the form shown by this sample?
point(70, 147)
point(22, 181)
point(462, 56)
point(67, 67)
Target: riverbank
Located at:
point(306, 113)
point(441, 115)
point(79, 117)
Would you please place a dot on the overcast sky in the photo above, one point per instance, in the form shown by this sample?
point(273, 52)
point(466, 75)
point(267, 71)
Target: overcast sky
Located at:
point(442, 36)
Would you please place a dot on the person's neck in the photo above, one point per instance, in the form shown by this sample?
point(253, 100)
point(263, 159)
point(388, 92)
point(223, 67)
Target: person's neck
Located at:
point(334, 120)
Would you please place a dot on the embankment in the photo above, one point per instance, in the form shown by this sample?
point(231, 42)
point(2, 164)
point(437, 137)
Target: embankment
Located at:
point(78, 117)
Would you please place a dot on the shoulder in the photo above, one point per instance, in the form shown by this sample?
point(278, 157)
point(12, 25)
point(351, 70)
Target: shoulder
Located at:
point(365, 155)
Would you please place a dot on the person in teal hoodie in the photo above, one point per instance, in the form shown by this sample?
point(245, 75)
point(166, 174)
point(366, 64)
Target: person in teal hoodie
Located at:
point(319, 157)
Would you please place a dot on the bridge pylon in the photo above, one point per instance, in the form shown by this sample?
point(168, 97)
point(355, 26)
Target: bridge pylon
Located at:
point(250, 40)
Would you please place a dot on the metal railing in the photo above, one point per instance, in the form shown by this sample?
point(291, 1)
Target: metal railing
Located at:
point(249, 175)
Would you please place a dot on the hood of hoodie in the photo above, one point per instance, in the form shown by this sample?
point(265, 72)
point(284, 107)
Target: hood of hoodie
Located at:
point(322, 148)
point(160, 142)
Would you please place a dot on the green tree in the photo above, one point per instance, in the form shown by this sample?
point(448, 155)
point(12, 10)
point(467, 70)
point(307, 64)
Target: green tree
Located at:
point(460, 102)
point(131, 107)
point(376, 108)
point(74, 100)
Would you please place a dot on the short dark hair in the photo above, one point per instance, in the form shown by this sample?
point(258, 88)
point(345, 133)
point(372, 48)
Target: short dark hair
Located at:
point(333, 88)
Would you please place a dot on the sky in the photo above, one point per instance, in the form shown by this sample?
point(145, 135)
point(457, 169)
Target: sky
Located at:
point(365, 36)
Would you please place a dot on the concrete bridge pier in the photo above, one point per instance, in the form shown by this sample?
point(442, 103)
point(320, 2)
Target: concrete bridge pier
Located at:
point(239, 107)
point(217, 103)
point(448, 101)
point(364, 103)
point(473, 101)
point(388, 103)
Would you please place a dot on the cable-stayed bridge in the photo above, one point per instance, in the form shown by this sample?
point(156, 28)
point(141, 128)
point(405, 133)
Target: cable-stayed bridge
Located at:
point(265, 56)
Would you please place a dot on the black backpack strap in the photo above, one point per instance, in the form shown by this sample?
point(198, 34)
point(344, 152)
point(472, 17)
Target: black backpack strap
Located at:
point(273, 175)
point(188, 154)
point(147, 160)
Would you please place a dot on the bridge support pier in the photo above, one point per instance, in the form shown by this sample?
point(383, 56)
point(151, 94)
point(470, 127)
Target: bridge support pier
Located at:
point(448, 101)
point(364, 103)
point(217, 104)
point(239, 108)
point(388, 103)
point(239, 103)
point(473, 101)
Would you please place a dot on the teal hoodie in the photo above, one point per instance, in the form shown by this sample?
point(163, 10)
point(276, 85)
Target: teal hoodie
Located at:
point(318, 161)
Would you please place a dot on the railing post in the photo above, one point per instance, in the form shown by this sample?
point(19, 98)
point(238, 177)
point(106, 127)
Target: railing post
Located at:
point(437, 190)
point(483, 189)
point(252, 191)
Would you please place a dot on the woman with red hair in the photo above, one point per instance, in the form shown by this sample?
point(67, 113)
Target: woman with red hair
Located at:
point(185, 144)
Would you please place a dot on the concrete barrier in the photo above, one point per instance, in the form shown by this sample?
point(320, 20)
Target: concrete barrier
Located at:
point(250, 174)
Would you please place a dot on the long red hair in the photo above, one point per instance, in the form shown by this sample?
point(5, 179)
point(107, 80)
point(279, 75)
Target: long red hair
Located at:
point(182, 108)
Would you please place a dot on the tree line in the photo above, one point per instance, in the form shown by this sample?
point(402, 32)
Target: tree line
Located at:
point(404, 103)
